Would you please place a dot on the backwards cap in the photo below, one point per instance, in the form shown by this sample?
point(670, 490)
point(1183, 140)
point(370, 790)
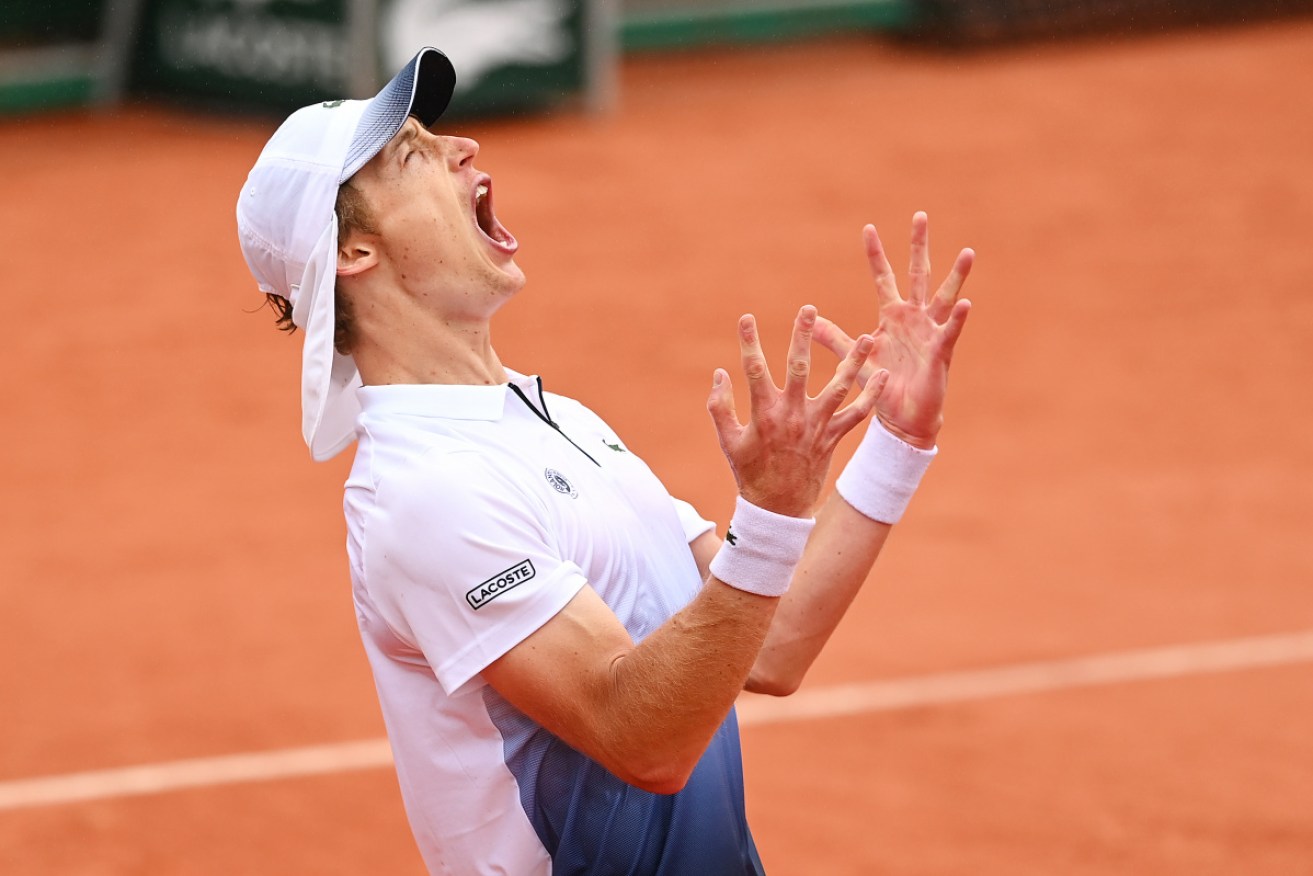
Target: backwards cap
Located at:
point(288, 228)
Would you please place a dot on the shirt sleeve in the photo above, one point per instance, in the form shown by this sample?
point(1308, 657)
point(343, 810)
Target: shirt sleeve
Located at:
point(464, 564)
point(689, 518)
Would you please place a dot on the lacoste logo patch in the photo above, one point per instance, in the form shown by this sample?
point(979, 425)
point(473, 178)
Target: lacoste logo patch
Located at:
point(332, 104)
point(616, 447)
point(559, 483)
point(498, 584)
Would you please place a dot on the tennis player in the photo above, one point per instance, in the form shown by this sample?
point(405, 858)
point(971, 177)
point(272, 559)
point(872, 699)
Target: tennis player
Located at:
point(557, 642)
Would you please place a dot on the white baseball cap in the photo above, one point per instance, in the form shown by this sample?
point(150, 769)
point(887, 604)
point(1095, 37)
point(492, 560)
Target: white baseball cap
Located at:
point(288, 228)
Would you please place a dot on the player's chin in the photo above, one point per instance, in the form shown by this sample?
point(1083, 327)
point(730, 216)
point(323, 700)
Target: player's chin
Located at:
point(510, 276)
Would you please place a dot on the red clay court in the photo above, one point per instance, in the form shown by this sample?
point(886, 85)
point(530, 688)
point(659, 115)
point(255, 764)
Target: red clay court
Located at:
point(1088, 649)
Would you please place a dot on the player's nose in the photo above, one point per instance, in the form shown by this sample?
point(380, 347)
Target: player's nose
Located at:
point(461, 151)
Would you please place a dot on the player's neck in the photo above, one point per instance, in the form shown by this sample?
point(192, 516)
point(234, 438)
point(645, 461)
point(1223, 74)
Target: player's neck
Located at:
point(425, 348)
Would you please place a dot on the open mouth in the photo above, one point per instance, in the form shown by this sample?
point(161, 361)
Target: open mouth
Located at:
point(486, 219)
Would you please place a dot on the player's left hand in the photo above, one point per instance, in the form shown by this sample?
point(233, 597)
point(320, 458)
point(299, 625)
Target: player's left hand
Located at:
point(781, 456)
point(914, 339)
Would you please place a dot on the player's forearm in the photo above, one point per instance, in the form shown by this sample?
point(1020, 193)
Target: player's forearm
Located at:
point(646, 711)
point(840, 553)
point(671, 692)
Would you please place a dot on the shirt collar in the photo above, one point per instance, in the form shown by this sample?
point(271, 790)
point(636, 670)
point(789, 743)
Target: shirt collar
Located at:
point(444, 400)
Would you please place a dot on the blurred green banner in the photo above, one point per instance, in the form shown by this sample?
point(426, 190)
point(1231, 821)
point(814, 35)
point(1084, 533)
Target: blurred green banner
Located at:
point(28, 23)
point(282, 54)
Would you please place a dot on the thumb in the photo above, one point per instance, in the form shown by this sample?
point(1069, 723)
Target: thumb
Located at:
point(720, 404)
point(831, 337)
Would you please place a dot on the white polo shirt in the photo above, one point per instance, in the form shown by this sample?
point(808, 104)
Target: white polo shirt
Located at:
point(474, 514)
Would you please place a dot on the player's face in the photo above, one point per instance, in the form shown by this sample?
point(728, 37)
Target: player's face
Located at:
point(434, 215)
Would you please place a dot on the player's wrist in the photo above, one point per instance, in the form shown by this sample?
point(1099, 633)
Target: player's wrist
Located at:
point(921, 442)
point(883, 474)
point(761, 549)
point(794, 502)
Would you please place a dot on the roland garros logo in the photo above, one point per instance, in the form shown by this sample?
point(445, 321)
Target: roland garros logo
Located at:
point(560, 484)
point(498, 584)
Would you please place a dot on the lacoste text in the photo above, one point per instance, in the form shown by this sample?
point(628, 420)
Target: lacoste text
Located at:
point(498, 584)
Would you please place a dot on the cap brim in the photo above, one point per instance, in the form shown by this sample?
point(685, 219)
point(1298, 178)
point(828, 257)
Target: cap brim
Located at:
point(435, 81)
point(422, 88)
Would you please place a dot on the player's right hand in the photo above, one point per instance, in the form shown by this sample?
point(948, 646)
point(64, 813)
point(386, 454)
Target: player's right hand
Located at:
point(914, 339)
point(781, 457)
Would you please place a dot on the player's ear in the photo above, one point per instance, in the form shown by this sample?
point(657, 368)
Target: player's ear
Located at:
point(356, 256)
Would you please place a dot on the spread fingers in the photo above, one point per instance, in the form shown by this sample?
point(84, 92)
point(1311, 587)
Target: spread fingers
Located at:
point(800, 356)
point(919, 269)
point(946, 297)
point(841, 384)
point(886, 284)
point(761, 390)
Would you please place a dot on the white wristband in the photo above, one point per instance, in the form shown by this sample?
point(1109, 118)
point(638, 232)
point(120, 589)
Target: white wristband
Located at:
point(761, 549)
point(883, 474)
